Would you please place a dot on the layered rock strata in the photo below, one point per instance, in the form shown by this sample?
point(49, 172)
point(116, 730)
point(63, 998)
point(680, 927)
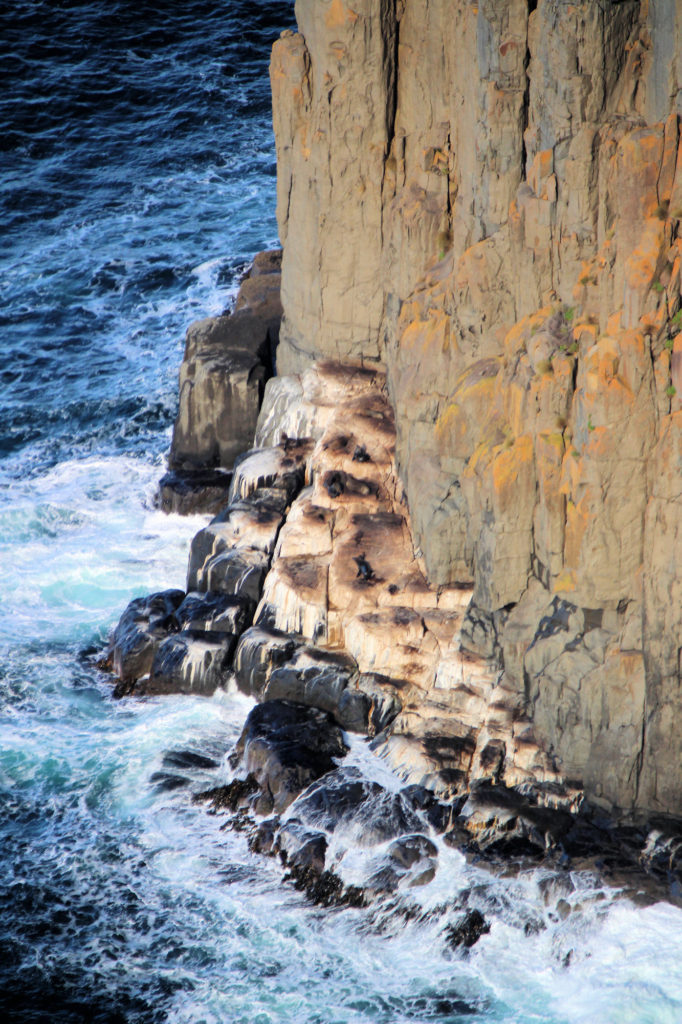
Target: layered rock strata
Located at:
point(484, 201)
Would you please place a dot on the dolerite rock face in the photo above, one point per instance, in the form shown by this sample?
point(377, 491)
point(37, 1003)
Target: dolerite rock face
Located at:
point(503, 237)
point(142, 627)
point(227, 362)
point(285, 747)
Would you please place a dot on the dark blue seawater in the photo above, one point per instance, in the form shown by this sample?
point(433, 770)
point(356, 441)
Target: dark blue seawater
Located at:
point(137, 180)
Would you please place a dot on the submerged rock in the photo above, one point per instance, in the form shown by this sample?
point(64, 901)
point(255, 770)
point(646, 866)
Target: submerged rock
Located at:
point(466, 932)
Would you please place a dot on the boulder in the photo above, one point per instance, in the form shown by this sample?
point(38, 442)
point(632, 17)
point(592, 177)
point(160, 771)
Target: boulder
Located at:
point(285, 747)
point(466, 932)
point(348, 799)
point(144, 624)
point(190, 662)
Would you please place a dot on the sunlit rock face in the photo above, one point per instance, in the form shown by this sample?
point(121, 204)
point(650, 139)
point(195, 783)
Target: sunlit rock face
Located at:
point(483, 202)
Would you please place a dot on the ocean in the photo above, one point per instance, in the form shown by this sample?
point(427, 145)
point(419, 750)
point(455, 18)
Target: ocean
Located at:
point(137, 181)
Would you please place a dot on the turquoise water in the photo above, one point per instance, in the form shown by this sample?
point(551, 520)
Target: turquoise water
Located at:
point(137, 181)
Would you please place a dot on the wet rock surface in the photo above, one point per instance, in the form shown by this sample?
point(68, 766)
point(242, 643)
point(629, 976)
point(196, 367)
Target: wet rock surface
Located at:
point(192, 491)
point(285, 747)
point(143, 625)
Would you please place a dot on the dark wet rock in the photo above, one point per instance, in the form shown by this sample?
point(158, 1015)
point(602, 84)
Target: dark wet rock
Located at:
point(190, 662)
point(505, 821)
point(326, 889)
point(270, 664)
point(144, 624)
point(466, 932)
point(188, 759)
point(262, 838)
point(192, 491)
point(287, 747)
point(301, 848)
point(245, 525)
point(407, 851)
point(215, 613)
point(231, 797)
point(410, 861)
point(438, 814)
point(370, 704)
point(166, 782)
point(239, 571)
point(261, 650)
point(312, 676)
point(348, 799)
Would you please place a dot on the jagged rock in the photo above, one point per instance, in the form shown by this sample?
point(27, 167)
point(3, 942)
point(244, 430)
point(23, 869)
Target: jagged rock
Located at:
point(369, 704)
point(273, 665)
point(143, 625)
point(188, 492)
point(501, 820)
point(260, 650)
point(190, 662)
point(222, 377)
point(285, 747)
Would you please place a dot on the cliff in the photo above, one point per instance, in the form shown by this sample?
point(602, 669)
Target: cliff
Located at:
point(483, 201)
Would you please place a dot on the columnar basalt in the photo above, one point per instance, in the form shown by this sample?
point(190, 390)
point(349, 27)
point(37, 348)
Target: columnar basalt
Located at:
point(484, 201)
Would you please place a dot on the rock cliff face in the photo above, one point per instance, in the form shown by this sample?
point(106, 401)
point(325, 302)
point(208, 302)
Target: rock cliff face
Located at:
point(483, 201)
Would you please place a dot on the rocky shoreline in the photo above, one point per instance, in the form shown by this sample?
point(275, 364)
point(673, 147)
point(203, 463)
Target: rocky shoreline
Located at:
point(306, 593)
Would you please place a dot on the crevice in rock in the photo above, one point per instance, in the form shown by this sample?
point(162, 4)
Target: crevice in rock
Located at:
point(525, 108)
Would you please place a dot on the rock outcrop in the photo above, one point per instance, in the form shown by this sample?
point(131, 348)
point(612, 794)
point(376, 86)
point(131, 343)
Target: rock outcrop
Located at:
point(484, 202)
point(227, 361)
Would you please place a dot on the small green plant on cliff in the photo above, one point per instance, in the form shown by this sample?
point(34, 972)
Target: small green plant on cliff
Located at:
point(669, 343)
point(677, 319)
point(658, 287)
point(661, 210)
point(544, 367)
point(590, 424)
point(671, 391)
point(569, 313)
point(572, 348)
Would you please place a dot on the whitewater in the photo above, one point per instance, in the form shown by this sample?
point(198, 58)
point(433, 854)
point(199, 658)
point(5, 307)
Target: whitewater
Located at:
point(137, 181)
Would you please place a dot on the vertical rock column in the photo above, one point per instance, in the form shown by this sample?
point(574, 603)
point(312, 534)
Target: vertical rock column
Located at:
point(333, 104)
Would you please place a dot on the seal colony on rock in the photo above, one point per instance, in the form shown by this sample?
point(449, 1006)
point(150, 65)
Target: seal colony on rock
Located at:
point(453, 516)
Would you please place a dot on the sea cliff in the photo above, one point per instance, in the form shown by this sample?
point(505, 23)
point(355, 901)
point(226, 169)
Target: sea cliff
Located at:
point(460, 529)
